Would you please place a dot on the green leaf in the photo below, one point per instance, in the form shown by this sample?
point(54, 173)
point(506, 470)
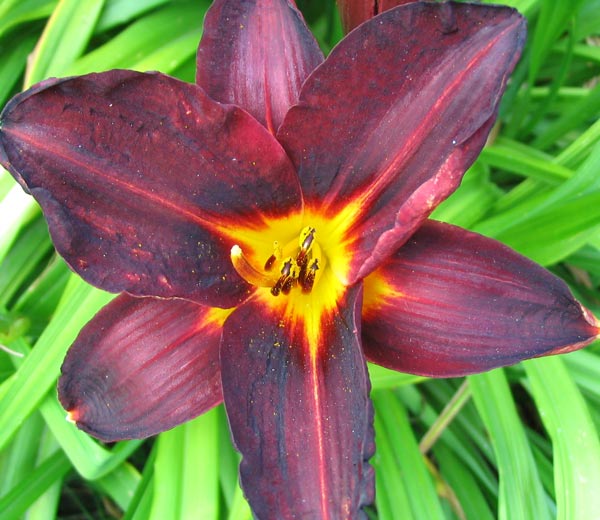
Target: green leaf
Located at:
point(461, 481)
point(16, 209)
point(118, 12)
point(16, 502)
point(41, 367)
point(556, 223)
point(186, 480)
point(385, 378)
point(14, 49)
point(575, 440)
point(522, 495)
point(161, 40)
point(16, 12)
point(65, 37)
point(406, 457)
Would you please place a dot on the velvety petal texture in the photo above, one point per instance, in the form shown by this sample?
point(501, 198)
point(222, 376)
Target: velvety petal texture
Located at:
point(451, 302)
point(355, 12)
point(296, 394)
point(256, 54)
point(143, 179)
point(143, 366)
point(387, 126)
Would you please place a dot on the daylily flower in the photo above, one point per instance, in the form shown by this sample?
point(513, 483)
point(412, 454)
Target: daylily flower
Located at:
point(267, 228)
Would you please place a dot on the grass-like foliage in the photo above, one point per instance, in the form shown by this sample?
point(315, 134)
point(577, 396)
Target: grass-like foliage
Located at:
point(515, 443)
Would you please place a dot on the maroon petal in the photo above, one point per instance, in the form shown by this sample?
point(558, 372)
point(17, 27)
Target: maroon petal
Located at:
point(451, 303)
point(296, 393)
point(143, 366)
point(355, 12)
point(144, 180)
point(256, 54)
point(386, 127)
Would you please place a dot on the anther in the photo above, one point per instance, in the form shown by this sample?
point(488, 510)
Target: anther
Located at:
point(269, 263)
point(307, 235)
point(274, 257)
point(308, 280)
point(287, 280)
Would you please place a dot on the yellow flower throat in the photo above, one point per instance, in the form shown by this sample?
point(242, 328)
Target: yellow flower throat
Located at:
point(296, 265)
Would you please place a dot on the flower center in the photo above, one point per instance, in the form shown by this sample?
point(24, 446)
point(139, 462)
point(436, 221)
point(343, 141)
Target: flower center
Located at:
point(295, 265)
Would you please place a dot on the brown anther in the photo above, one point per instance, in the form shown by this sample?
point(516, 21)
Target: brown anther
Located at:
point(286, 270)
point(288, 285)
point(269, 263)
point(308, 280)
point(308, 239)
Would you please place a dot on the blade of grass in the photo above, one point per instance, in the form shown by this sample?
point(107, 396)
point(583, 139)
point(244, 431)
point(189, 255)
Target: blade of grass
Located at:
point(29, 249)
point(521, 494)
point(14, 49)
point(462, 436)
point(16, 502)
point(41, 367)
point(46, 506)
point(16, 209)
point(155, 34)
point(391, 495)
point(186, 476)
point(20, 457)
point(468, 492)
point(118, 12)
point(200, 477)
point(575, 441)
point(15, 12)
point(384, 378)
point(65, 37)
point(420, 490)
point(141, 502)
point(240, 510)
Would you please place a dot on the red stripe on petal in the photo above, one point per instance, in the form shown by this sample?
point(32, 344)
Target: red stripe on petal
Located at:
point(388, 124)
point(299, 412)
point(143, 366)
point(451, 302)
point(143, 180)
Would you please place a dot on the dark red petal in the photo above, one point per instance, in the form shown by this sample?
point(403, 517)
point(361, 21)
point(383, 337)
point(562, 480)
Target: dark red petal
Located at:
point(143, 366)
point(299, 412)
point(355, 12)
point(256, 55)
point(451, 302)
point(143, 180)
point(386, 127)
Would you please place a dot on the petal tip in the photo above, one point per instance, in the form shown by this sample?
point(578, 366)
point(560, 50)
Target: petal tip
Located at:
point(591, 319)
point(72, 416)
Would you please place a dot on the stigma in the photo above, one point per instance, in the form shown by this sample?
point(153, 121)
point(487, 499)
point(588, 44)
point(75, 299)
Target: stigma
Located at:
point(295, 266)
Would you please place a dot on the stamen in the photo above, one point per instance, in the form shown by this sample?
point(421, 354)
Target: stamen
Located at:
point(247, 271)
point(288, 285)
point(299, 269)
point(269, 263)
point(308, 280)
point(287, 280)
point(274, 257)
point(307, 235)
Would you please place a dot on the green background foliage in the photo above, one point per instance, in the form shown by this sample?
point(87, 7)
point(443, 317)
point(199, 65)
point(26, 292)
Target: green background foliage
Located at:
point(516, 443)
